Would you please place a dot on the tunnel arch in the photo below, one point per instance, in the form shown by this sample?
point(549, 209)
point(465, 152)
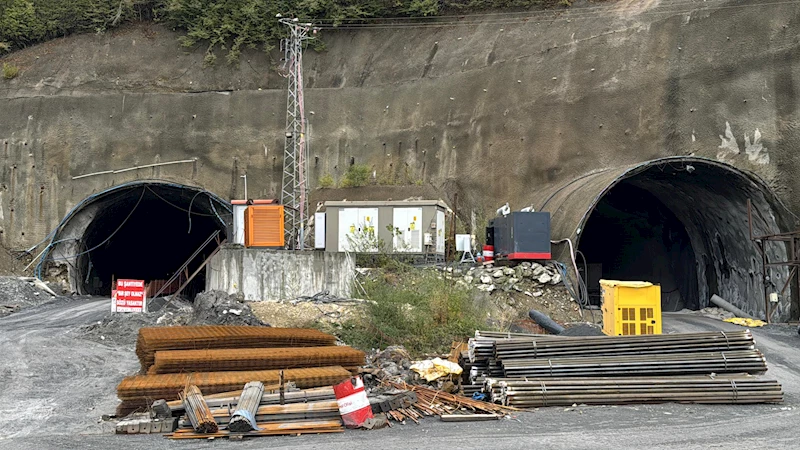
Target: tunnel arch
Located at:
point(624, 218)
point(142, 230)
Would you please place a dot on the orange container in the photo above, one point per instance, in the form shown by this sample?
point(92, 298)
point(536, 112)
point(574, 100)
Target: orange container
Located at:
point(263, 226)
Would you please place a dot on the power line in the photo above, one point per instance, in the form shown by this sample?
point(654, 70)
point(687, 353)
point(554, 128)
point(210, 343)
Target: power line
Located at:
point(110, 236)
point(179, 207)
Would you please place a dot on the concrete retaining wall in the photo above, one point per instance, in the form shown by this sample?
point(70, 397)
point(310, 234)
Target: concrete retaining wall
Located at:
point(262, 274)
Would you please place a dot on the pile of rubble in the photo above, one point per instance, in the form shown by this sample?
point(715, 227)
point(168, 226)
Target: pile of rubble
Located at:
point(18, 293)
point(208, 308)
point(518, 278)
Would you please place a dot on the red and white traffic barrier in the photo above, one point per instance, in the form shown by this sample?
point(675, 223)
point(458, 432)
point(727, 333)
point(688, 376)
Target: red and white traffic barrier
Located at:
point(353, 402)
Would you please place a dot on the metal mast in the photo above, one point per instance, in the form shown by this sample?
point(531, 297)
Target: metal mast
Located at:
point(294, 190)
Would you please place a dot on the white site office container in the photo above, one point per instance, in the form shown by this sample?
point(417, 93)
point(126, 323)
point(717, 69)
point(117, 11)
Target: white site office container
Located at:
point(413, 227)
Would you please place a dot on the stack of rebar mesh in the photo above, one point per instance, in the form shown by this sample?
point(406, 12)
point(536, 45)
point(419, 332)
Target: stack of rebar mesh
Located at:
point(224, 358)
point(544, 370)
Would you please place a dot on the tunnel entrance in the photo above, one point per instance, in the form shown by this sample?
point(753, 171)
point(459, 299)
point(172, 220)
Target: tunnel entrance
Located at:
point(681, 222)
point(143, 231)
point(631, 235)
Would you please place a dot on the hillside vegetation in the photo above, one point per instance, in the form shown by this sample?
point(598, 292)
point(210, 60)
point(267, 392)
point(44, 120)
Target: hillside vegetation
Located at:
point(224, 27)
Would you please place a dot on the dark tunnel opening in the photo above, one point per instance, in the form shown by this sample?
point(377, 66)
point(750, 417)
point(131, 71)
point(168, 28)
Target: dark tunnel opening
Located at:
point(683, 224)
point(148, 232)
point(632, 236)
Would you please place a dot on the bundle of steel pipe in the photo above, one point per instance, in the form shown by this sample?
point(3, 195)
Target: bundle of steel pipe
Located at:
point(167, 386)
point(177, 361)
point(481, 352)
point(244, 418)
point(553, 346)
point(197, 411)
point(153, 339)
point(608, 391)
point(745, 361)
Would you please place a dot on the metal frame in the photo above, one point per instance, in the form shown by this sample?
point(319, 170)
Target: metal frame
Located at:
point(294, 187)
point(793, 239)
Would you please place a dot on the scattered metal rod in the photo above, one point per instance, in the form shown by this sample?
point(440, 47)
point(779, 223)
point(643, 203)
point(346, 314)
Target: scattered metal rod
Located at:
point(270, 429)
point(431, 402)
point(197, 411)
point(244, 418)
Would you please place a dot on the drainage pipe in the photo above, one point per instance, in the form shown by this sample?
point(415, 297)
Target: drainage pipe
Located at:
point(545, 322)
point(719, 301)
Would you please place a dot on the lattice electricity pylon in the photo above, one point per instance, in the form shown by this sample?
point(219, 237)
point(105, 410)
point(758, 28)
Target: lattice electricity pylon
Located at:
point(294, 188)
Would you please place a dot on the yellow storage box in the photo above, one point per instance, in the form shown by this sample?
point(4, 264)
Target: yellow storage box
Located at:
point(631, 307)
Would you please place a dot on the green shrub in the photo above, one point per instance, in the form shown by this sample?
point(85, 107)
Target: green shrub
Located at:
point(228, 26)
point(10, 71)
point(357, 175)
point(424, 314)
point(26, 22)
point(326, 181)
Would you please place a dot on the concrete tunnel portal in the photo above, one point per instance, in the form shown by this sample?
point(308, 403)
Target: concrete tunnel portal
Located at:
point(680, 222)
point(141, 230)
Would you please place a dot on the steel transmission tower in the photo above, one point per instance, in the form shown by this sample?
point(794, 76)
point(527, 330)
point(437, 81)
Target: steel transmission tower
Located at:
point(294, 190)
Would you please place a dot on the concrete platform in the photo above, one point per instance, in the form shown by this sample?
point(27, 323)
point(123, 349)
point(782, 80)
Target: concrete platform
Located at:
point(267, 274)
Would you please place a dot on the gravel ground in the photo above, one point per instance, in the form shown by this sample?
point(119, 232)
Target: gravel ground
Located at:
point(56, 385)
point(17, 294)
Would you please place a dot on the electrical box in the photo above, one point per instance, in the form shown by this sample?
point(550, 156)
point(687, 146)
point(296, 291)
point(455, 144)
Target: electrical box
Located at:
point(263, 226)
point(631, 307)
point(520, 236)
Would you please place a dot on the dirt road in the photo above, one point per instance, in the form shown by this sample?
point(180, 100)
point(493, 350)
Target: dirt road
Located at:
point(55, 386)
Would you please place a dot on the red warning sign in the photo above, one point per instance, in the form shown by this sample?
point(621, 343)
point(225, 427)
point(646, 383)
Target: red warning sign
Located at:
point(129, 296)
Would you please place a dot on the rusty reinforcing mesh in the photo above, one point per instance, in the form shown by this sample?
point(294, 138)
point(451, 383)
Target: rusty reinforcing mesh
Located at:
point(177, 361)
point(167, 386)
point(153, 339)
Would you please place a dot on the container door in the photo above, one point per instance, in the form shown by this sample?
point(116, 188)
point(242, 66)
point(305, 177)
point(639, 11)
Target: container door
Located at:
point(439, 231)
point(367, 235)
point(319, 230)
point(238, 224)
point(408, 233)
point(348, 226)
point(399, 232)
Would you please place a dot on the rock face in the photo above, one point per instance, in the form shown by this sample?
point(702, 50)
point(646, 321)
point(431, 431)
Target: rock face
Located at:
point(438, 105)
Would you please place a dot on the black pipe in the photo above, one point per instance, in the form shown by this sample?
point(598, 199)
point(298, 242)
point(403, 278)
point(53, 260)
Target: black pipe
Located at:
point(545, 322)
